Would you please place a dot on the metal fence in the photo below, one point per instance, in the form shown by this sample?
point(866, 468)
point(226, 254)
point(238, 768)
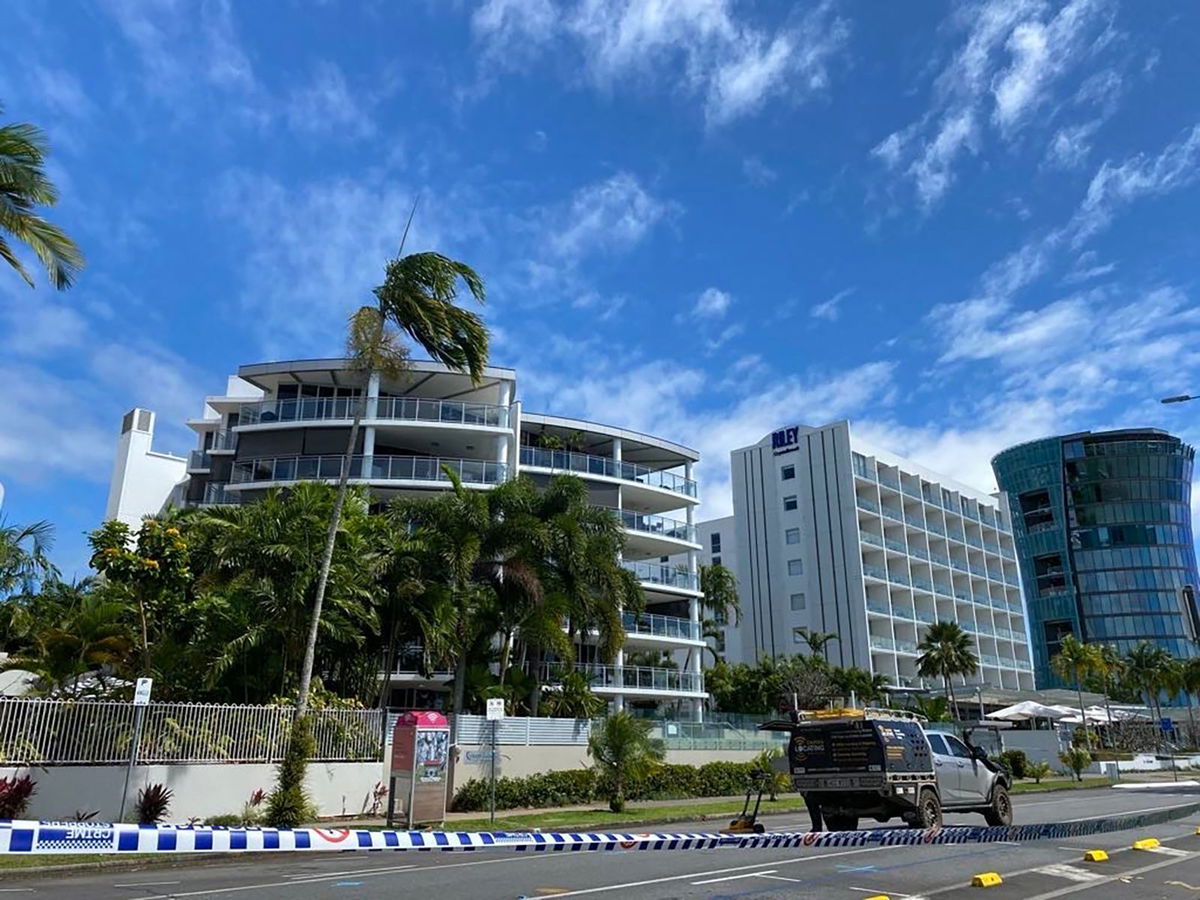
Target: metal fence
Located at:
point(65, 732)
point(526, 731)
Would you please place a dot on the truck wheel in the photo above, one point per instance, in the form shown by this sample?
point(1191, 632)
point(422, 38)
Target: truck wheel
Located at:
point(842, 823)
point(1000, 812)
point(929, 810)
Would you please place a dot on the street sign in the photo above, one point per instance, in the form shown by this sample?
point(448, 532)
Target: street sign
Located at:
point(482, 756)
point(495, 709)
point(1165, 724)
point(141, 693)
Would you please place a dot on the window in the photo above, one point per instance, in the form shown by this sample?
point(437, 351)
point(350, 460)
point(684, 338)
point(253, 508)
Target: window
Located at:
point(716, 560)
point(937, 744)
point(1055, 631)
point(797, 602)
point(789, 502)
point(714, 541)
point(792, 535)
point(663, 559)
point(787, 473)
point(798, 636)
point(1036, 509)
point(957, 747)
point(795, 567)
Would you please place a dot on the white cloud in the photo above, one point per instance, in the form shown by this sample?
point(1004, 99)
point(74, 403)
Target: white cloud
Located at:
point(757, 172)
point(830, 309)
point(608, 216)
point(1043, 45)
point(700, 46)
point(712, 303)
point(1070, 146)
point(327, 105)
point(61, 91)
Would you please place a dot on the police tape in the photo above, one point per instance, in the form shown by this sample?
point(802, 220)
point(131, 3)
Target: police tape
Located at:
point(90, 837)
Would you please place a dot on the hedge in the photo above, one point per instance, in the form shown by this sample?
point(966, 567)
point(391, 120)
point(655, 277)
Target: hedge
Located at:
point(573, 786)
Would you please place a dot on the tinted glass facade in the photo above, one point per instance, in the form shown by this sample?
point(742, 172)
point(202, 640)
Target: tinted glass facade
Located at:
point(1102, 523)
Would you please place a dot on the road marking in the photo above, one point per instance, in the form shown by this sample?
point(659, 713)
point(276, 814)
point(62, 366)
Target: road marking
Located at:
point(145, 883)
point(784, 878)
point(1183, 884)
point(1071, 873)
point(1168, 851)
point(1133, 812)
point(735, 877)
point(1124, 877)
point(649, 881)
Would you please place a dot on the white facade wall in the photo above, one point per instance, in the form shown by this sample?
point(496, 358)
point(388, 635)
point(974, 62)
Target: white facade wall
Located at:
point(143, 481)
point(825, 542)
point(718, 546)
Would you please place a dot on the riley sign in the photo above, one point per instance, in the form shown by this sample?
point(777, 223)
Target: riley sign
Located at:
point(785, 440)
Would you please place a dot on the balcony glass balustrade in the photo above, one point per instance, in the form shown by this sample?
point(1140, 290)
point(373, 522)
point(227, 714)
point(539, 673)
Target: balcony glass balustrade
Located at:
point(216, 495)
point(868, 505)
point(935, 527)
point(381, 468)
point(661, 626)
point(875, 572)
point(892, 513)
point(877, 606)
point(872, 538)
point(903, 646)
point(640, 678)
point(395, 409)
point(566, 461)
point(926, 616)
point(882, 643)
point(224, 440)
point(898, 577)
point(898, 546)
point(668, 576)
point(939, 558)
point(199, 460)
point(923, 584)
point(903, 611)
point(659, 525)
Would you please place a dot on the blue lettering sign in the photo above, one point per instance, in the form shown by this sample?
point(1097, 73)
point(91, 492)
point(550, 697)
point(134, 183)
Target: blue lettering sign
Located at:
point(785, 439)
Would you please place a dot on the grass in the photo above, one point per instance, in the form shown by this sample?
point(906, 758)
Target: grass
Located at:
point(602, 818)
point(1057, 784)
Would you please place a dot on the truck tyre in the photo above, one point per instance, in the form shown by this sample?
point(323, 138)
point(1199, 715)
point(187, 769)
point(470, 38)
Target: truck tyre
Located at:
point(1000, 812)
point(929, 810)
point(842, 823)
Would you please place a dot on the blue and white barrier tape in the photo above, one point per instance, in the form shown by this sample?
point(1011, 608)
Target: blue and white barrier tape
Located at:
point(90, 837)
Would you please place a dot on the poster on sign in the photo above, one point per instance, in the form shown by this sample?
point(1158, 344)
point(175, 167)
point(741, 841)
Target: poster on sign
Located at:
point(419, 768)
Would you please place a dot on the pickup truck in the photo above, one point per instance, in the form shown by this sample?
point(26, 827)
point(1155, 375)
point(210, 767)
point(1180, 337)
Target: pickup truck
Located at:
point(884, 764)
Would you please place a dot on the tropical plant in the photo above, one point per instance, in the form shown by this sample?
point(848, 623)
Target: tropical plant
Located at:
point(946, 652)
point(858, 683)
point(1015, 762)
point(288, 805)
point(1039, 770)
point(417, 296)
point(1189, 682)
point(1147, 670)
point(1074, 662)
point(817, 640)
point(24, 549)
point(24, 186)
point(152, 804)
point(1109, 667)
point(1076, 759)
point(621, 749)
point(15, 794)
point(934, 709)
point(572, 698)
point(775, 782)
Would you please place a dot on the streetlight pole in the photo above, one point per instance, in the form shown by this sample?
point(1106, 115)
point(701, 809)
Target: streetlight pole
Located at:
point(1179, 398)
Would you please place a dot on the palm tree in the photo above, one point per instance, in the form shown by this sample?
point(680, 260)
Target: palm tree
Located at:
point(947, 651)
point(24, 554)
point(1147, 670)
point(1190, 683)
point(719, 605)
point(24, 187)
point(1075, 661)
point(417, 296)
point(1110, 666)
point(621, 750)
point(860, 683)
point(817, 640)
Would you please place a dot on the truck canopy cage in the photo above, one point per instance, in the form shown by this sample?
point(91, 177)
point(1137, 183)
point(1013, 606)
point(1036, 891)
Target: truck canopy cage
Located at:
point(805, 717)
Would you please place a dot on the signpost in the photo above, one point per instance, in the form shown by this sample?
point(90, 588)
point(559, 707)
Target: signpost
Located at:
point(495, 713)
point(141, 699)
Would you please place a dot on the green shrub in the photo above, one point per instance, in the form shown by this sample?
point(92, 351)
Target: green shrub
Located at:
point(1039, 770)
point(576, 786)
point(1076, 759)
point(229, 820)
point(1015, 762)
point(288, 805)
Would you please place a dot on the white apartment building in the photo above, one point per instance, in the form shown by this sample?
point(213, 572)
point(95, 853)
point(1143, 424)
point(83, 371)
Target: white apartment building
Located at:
point(282, 422)
point(832, 535)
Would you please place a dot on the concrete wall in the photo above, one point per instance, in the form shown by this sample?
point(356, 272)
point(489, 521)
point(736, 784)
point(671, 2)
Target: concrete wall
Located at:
point(1039, 746)
point(200, 790)
point(142, 479)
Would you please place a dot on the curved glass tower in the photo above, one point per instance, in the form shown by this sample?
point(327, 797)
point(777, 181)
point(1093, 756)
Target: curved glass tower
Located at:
point(1102, 523)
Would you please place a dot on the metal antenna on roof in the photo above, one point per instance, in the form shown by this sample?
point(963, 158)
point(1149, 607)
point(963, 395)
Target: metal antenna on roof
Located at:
point(407, 225)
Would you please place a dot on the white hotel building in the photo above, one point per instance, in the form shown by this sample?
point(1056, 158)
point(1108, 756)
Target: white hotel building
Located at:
point(832, 535)
point(282, 422)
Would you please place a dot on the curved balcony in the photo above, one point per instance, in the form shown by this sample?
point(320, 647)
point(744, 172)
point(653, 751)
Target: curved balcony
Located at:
point(199, 461)
point(586, 464)
point(670, 628)
point(387, 409)
point(284, 469)
point(658, 575)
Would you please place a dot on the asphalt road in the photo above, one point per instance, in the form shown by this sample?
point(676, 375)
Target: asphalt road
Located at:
point(1036, 870)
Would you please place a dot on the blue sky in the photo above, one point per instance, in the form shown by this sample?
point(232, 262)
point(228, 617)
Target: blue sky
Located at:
point(960, 225)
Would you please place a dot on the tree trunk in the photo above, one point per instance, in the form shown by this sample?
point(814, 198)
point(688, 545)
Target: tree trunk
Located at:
point(460, 691)
point(505, 652)
point(145, 635)
point(335, 521)
point(535, 666)
point(1108, 712)
point(953, 699)
point(1191, 722)
point(389, 662)
point(1087, 735)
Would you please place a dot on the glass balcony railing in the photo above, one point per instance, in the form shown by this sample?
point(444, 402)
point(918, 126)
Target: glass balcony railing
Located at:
point(903, 646)
point(224, 440)
point(661, 626)
point(963, 595)
point(944, 590)
point(380, 468)
point(898, 546)
point(892, 513)
point(199, 461)
point(926, 616)
point(395, 409)
point(566, 461)
point(935, 527)
point(923, 584)
point(918, 552)
point(875, 572)
point(871, 538)
point(882, 643)
point(660, 525)
point(876, 606)
point(910, 491)
point(868, 505)
point(668, 576)
point(216, 495)
point(956, 534)
point(898, 577)
point(914, 520)
point(974, 541)
point(639, 678)
point(989, 660)
point(903, 612)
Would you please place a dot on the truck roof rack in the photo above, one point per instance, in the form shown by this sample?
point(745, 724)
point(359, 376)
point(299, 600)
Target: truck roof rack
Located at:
point(803, 717)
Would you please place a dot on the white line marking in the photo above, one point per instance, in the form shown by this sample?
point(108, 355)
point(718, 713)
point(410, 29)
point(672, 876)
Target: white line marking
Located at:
point(1130, 812)
point(1071, 873)
point(1062, 892)
point(145, 883)
point(649, 881)
point(783, 878)
point(732, 877)
point(1167, 851)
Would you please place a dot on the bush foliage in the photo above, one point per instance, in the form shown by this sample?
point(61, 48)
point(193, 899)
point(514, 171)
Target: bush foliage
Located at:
point(1015, 762)
point(572, 786)
point(15, 794)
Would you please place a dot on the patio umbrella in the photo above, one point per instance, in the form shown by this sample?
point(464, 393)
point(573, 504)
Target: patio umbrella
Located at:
point(1028, 709)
